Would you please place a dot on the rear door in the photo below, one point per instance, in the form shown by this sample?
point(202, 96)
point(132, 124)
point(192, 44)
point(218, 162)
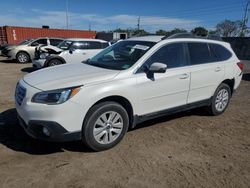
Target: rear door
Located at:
point(206, 71)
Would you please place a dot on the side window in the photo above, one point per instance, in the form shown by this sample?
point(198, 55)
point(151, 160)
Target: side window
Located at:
point(105, 45)
point(173, 55)
point(95, 45)
point(220, 52)
point(199, 53)
point(55, 42)
point(87, 45)
point(41, 41)
point(80, 45)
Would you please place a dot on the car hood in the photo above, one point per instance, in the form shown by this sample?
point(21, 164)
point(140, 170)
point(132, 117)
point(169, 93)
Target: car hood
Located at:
point(68, 75)
point(50, 49)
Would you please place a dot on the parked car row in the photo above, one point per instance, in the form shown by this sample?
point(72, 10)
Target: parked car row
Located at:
point(47, 51)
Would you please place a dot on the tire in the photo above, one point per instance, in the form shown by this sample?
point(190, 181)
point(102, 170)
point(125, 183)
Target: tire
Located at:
point(220, 100)
point(22, 57)
point(98, 134)
point(54, 62)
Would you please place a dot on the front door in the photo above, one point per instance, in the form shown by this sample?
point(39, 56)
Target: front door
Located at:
point(164, 90)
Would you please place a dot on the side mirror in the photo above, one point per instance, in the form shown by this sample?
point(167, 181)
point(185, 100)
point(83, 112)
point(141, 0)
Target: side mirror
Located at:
point(71, 50)
point(157, 68)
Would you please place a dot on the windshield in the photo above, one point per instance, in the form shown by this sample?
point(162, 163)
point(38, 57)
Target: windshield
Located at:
point(25, 42)
point(121, 55)
point(65, 45)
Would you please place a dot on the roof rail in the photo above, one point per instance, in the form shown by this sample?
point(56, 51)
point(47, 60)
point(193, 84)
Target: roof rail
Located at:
point(190, 35)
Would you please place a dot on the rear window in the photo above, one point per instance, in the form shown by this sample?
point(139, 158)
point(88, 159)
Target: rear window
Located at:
point(88, 45)
point(220, 52)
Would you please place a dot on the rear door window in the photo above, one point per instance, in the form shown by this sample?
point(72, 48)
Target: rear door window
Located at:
point(199, 53)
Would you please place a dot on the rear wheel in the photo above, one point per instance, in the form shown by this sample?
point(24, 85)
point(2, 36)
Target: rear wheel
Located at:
point(54, 62)
point(105, 125)
point(220, 100)
point(22, 57)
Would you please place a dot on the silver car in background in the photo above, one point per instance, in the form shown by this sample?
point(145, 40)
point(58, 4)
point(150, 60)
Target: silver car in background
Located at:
point(25, 51)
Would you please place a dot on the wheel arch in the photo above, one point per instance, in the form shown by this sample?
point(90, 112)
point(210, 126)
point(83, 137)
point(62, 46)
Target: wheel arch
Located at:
point(124, 102)
point(52, 58)
point(230, 83)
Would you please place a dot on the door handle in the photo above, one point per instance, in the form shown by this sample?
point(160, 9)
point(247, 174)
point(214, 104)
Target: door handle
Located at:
point(184, 76)
point(218, 69)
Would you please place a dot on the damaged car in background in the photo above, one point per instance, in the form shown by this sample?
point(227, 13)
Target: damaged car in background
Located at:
point(68, 51)
point(24, 52)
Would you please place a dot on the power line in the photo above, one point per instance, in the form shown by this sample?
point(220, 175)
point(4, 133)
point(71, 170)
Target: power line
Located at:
point(138, 23)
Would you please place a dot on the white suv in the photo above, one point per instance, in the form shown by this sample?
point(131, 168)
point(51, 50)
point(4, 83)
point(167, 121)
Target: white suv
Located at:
point(127, 83)
point(73, 50)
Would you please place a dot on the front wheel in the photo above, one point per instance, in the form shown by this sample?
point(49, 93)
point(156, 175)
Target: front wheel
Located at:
point(105, 126)
point(22, 57)
point(220, 100)
point(54, 62)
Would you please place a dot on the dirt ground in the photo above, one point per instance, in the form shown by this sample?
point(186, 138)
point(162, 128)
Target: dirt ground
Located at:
point(188, 149)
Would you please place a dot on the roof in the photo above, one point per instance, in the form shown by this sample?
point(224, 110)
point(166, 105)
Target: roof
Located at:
point(86, 39)
point(178, 38)
point(148, 38)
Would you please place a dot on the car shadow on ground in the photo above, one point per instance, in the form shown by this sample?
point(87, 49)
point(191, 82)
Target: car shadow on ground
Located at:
point(7, 61)
point(246, 77)
point(14, 137)
point(28, 69)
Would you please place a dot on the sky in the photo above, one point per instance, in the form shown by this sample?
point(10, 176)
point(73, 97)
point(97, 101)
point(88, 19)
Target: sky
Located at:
point(103, 15)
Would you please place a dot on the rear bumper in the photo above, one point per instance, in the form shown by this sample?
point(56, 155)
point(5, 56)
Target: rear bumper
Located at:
point(56, 132)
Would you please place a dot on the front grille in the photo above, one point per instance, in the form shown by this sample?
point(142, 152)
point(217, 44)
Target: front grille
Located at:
point(5, 52)
point(20, 94)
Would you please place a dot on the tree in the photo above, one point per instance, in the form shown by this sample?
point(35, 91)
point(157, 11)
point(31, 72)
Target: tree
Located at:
point(176, 30)
point(212, 32)
point(140, 32)
point(228, 28)
point(161, 32)
point(200, 31)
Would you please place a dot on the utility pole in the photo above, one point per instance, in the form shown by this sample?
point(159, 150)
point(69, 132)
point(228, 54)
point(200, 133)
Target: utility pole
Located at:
point(245, 20)
point(67, 14)
point(90, 25)
point(138, 23)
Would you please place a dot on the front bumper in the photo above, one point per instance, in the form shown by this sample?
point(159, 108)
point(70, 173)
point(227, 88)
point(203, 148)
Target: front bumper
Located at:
point(38, 63)
point(63, 121)
point(10, 54)
point(55, 132)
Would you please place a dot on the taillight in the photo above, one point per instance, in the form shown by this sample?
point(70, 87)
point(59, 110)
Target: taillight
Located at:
point(240, 65)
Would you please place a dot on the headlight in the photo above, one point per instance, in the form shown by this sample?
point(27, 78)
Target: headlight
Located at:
point(43, 55)
point(56, 96)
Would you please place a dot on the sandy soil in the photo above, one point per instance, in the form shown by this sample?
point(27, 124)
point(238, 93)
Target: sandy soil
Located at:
point(188, 149)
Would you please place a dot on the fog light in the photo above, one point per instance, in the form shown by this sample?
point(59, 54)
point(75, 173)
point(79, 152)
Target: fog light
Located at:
point(46, 131)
